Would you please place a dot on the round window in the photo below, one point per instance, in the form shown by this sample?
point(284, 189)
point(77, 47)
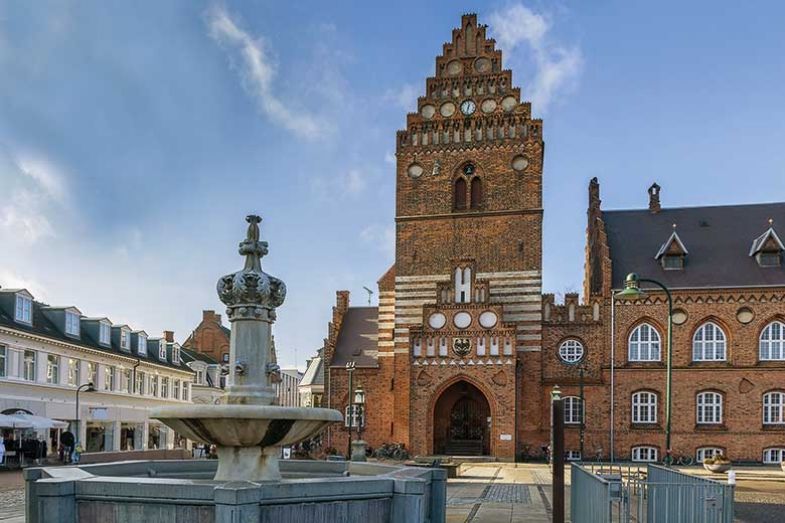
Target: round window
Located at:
point(437, 320)
point(415, 170)
point(462, 319)
point(571, 351)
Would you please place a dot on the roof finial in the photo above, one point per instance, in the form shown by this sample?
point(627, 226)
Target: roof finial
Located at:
point(771, 222)
point(674, 226)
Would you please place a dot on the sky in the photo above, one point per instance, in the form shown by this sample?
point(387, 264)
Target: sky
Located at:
point(136, 136)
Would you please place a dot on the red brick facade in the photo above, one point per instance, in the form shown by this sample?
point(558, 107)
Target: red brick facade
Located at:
point(466, 352)
point(210, 337)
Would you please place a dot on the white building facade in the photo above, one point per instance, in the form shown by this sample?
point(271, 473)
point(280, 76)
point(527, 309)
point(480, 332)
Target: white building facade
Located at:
point(46, 353)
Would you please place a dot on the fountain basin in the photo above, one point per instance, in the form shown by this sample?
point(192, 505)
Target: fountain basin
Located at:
point(248, 437)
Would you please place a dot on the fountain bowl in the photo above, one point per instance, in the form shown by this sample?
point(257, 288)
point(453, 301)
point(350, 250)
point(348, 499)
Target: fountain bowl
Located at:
point(248, 437)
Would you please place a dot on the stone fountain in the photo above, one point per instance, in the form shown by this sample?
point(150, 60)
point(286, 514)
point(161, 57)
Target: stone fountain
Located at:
point(246, 427)
point(248, 483)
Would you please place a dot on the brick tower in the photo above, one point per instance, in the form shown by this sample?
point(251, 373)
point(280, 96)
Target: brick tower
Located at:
point(460, 315)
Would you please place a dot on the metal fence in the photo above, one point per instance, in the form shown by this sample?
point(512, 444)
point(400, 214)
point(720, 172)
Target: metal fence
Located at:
point(602, 493)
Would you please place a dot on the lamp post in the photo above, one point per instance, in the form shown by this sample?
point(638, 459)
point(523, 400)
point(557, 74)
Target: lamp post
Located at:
point(358, 446)
point(632, 290)
point(350, 410)
point(87, 387)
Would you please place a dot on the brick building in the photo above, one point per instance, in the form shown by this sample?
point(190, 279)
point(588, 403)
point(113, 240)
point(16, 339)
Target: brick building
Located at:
point(463, 351)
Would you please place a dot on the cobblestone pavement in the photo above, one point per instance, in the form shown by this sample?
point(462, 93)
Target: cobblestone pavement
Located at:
point(500, 493)
point(12, 497)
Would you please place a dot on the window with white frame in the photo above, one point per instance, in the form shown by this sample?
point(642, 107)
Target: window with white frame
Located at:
point(153, 388)
point(125, 386)
point(3, 361)
point(125, 340)
point(109, 373)
point(774, 408)
point(104, 333)
point(140, 383)
point(52, 368)
point(71, 323)
point(572, 455)
point(176, 389)
point(644, 344)
point(186, 390)
point(28, 365)
point(141, 345)
point(73, 372)
point(175, 354)
point(774, 456)
point(200, 377)
point(772, 341)
point(644, 407)
point(164, 387)
point(357, 415)
point(92, 368)
point(571, 351)
point(24, 309)
point(708, 343)
point(709, 408)
point(706, 452)
point(573, 409)
point(644, 454)
point(162, 350)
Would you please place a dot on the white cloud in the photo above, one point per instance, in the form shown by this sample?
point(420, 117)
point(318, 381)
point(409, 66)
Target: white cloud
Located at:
point(355, 181)
point(404, 97)
point(251, 57)
point(557, 66)
point(381, 237)
point(389, 158)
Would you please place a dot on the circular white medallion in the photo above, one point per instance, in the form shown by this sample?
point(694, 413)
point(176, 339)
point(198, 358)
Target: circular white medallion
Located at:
point(462, 319)
point(454, 68)
point(488, 319)
point(520, 162)
point(482, 65)
point(488, 106)
point(679, 316)
point(437, 320)
point(427, 111)
point(447, 109)
point(745, 315)
point(509, 103)
point(415, 170)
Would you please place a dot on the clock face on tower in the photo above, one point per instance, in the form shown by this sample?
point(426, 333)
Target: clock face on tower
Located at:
point(468, 107)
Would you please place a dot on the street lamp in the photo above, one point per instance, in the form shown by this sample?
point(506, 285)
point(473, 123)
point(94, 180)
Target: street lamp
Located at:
point(632, 290)
point(350, 411)
point(87, 387)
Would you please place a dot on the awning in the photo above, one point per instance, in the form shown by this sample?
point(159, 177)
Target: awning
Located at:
point(12, 422)
point(33, 422)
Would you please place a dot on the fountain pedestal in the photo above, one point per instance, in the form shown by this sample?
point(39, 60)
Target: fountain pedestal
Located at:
point(246, 427)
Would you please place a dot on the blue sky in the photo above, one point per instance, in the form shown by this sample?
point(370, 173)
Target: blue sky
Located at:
point(134, 137)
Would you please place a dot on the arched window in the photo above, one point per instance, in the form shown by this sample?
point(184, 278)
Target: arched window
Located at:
point(772, 341)
point(476, 193)
point(774, 408)
point(644, 407)
point(645, 454)
point(709, 343)
point(644, 344)
point(706, 452)
point(709, 408)
point(573, 409)
point(460, 194)
point(571, 351)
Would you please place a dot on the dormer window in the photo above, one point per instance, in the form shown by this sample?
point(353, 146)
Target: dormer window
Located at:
point(141, 345)
point(175, 354)
point(72, 321)
point(24, 309)
point(125, 340)
point(672, 254)
point(767, 249)
point(104, 333)
point(162, 350)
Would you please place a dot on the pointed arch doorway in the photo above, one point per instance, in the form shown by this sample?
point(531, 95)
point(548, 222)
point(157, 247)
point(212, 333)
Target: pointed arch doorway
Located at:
point(461, 421)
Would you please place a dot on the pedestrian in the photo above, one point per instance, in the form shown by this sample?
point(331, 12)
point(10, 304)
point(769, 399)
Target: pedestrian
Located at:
point(77, 453)
point(2, 449)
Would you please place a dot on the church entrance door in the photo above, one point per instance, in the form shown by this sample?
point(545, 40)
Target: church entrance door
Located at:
point(461, 425)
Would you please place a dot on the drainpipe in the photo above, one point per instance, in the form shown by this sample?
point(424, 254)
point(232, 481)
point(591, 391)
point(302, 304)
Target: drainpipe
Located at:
point(133, 385)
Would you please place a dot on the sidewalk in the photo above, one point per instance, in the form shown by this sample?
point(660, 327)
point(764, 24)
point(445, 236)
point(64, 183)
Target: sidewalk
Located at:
point(12, 497)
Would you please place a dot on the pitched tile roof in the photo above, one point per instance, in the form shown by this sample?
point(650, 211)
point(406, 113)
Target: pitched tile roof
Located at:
point(719, 238)
point(357, 340)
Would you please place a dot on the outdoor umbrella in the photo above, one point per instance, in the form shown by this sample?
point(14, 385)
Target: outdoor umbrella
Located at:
point(39, 422)
point(13, 422)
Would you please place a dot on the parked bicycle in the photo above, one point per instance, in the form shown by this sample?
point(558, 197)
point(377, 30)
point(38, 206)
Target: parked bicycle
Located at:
point(394, 451)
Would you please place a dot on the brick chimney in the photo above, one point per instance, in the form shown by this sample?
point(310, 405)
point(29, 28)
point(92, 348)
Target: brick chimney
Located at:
point(169, 336)
point(654, 199)
point(211, 316)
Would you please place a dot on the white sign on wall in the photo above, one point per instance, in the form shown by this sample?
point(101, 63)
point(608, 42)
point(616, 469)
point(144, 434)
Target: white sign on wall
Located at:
point(98, 413)
point(505, 437)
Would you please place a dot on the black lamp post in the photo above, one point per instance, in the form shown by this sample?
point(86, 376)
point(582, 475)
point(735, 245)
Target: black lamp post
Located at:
point(87, 387)
point(632, 290)
point(359, 405)
point(350, 411)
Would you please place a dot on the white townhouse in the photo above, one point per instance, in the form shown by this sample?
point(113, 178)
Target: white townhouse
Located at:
point(47, 352)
